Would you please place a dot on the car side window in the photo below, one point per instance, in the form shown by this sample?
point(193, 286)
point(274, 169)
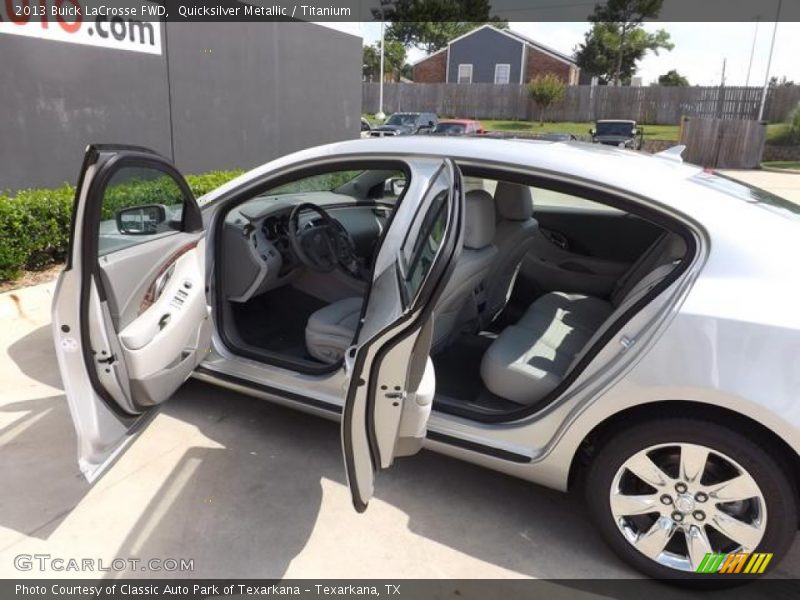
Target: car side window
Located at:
point(138, 205)
point(544, 199)
point(418, 254)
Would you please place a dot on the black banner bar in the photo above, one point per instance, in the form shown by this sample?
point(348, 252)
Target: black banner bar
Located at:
point(400, 589)
point(178, 11)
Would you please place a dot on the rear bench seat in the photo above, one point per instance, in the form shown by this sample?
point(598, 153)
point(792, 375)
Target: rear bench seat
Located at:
point(530, 358)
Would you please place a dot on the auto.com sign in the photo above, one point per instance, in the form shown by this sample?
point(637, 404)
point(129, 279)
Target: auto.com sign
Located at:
point(120, 28)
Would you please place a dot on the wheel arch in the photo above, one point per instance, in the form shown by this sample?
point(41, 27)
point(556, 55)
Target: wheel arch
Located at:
point(601, 432)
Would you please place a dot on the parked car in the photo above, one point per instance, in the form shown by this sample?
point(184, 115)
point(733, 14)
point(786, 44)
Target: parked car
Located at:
point(408, 123)
point(618, 132)
point(582, 318)
point(365, 127)
point(556, 137)
point(459, 127)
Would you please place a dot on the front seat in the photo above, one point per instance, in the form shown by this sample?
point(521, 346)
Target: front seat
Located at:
point(331, 329)
point(459, 302)
point(513, 238)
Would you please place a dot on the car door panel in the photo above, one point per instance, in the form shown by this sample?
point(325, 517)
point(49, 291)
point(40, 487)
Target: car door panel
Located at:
point(129, 314)
point(392, 382)
point(585, 250)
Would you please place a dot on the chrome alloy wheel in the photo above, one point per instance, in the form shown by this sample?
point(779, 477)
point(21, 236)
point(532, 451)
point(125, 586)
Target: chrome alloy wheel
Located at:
point(675, 503)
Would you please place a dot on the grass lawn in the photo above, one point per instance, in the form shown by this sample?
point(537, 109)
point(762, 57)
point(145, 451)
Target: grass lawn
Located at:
point(655, 132)
point(783, 164)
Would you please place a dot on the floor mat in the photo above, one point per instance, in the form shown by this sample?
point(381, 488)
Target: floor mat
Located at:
point(276, 321)
point(458, 367)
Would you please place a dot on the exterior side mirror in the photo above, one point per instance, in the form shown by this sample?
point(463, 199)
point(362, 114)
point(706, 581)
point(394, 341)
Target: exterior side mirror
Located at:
point(591, 131)
point(141, 220)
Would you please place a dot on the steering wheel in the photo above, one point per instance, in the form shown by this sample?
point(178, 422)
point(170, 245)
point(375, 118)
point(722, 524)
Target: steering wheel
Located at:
point(322, 246)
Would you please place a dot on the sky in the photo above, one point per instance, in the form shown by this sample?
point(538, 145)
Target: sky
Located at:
point(699, 49)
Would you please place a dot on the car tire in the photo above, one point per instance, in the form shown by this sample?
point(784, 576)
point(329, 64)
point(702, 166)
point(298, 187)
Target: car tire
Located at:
point(610, 482)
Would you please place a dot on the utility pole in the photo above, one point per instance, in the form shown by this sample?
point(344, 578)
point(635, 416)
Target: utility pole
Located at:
point(722, 81)
point(380, 114)
point(769, 63)
point(752, 51)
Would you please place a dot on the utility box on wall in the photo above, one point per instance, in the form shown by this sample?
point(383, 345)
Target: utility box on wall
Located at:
point(208, 95)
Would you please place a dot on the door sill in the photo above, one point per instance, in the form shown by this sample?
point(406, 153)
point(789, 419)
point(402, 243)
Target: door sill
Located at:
point(329, 408)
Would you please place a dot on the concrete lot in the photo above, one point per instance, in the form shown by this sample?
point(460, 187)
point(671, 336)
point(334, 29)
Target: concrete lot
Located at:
point(248, 489)
point(786, 185)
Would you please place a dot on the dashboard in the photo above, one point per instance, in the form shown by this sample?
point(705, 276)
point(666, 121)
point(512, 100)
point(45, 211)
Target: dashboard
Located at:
point(257, 254)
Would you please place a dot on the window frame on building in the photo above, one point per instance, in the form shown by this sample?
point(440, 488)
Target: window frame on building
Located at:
point(508, 73)
point(471, 70)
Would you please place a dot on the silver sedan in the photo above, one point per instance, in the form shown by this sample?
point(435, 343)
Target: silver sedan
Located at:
point(586, 318)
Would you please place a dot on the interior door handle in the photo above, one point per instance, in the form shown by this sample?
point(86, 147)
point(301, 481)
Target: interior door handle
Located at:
point(162, 322)
point(557, 239)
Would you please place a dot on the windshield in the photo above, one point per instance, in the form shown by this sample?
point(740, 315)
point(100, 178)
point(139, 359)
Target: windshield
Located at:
point(326, 182)
point(624, 129)
point(402, 119)
point(748, 193)
point(450, 128)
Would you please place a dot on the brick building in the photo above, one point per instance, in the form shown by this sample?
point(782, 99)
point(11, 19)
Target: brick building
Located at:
point(491, 55)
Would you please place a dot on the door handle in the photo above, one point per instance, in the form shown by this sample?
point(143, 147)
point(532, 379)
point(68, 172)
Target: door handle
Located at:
point(162, 322)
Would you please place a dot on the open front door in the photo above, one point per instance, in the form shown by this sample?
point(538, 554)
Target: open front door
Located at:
point(130, 319)
point(392, 381)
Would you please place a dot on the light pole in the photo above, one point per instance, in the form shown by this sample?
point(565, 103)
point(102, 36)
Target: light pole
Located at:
point(769, 63)
point(380, 114)
point(752, 51)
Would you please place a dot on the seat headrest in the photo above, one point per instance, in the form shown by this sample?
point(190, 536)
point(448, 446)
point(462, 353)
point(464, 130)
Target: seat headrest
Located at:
point(479, 219)
point(514, 202)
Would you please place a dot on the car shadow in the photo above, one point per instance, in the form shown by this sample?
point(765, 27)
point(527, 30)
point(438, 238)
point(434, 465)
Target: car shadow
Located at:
point(41, 482)
point(259, 498)
point(247, 503)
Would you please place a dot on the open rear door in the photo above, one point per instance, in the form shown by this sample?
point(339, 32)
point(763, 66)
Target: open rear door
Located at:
point(130, 319)
point(392, 381)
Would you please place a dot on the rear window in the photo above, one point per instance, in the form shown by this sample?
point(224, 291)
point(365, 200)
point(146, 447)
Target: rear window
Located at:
point(614, 128)
point(748, 193)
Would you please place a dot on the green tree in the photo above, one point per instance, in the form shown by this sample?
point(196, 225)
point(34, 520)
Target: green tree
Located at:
point(545, 91)
point(394, 61)
point(617, 40)
point(794, 124)
point(673, 79)
point(782, 82)
point(430, 24)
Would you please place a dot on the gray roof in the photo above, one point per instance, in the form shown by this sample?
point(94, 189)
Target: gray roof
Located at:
point(526, 40)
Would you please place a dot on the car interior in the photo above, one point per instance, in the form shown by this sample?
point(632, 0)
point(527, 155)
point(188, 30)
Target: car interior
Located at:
point(542, 276)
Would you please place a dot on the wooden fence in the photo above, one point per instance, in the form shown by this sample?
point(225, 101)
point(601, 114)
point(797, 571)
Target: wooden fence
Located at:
point(723, 143)
point(654, 104)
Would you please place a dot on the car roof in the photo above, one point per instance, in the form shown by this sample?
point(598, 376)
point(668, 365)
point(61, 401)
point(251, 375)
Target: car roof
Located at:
point(615, 121)
point(663, 180)
point(460, 121)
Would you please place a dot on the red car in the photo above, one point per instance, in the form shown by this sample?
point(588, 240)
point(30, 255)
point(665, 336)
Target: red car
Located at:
point(459, 127)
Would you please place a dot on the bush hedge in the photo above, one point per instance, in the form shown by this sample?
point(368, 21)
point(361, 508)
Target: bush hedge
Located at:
point(34, 223)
